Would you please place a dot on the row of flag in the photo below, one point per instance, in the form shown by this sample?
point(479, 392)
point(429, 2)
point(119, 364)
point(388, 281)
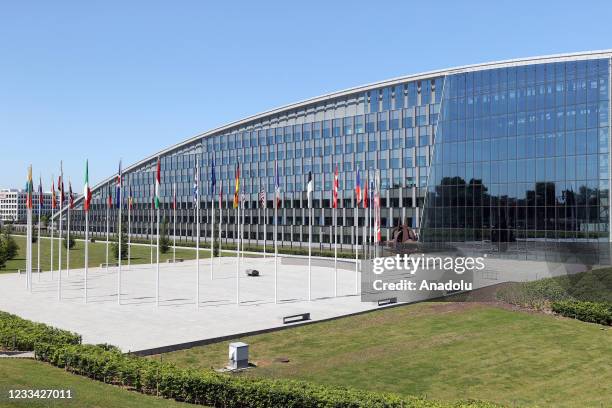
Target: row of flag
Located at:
point(55, 202)
point(362, 197)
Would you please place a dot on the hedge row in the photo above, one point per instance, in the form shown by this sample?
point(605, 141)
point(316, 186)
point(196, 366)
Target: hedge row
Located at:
point(20, 334)
point(594, 312)
point(210, 388)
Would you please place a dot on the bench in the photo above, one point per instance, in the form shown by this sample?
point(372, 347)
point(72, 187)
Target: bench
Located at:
point(175, 260)
point(110, 265)
point(300, 317)
point(252, 272)
point(388, 301)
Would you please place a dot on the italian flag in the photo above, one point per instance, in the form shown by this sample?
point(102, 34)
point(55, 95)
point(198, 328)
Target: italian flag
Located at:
point(86, 189)
point(157, 186)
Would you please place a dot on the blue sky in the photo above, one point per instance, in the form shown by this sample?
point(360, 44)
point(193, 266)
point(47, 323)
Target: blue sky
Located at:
point(112, 79)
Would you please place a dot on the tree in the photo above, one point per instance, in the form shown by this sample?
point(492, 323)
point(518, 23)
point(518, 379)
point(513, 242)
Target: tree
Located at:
point(45, 220)
point(124, 246)
point(3, 257)
point(10, 246)
point(216, 247)
point(164, 240)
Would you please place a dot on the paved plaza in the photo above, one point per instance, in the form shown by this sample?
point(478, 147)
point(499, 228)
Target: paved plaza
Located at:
point(138, 324)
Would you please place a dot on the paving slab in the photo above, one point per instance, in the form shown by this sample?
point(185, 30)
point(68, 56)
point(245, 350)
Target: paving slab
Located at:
point(138, 324)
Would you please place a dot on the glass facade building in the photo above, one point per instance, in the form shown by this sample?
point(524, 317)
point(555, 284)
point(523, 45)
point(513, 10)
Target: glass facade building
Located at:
point(513, 151)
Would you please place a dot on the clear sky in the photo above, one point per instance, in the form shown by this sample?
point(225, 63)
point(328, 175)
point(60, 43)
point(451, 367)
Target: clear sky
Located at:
point(110, 79)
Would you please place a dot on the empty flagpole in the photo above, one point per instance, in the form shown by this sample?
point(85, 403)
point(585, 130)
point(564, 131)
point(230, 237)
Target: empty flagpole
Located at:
point(38, 242)
point(151, 234)
point(119, 197)
point(60, 186)
point(356, 248)
point(53, 204)
point(213, 185)
point(86, 203)
point(108, 204)
point(276, 203)
point(157, 205)
point(220, 217)
point(129, 243)
point(309, 191)
point(174, 222)
point(196, 197)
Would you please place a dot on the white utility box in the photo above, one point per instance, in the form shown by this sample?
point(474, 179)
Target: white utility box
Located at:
point(238, 355)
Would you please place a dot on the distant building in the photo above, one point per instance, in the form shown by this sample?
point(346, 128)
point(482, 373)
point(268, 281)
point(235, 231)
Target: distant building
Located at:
point(13, 205)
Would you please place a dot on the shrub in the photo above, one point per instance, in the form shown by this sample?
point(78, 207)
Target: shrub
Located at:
point(208, 387)
point(69, 241)
point(594, 312)
point(20, 334)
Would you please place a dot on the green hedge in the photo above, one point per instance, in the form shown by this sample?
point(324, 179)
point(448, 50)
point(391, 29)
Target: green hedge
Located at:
point(215, 389)
point(20, 334)
point(594, 312)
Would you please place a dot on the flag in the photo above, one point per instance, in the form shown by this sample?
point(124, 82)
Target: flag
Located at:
point(262, 197)
point(86, 189)
point(60, 187)
point(30, 188)
point(358, 188)
point(70, 195)
point(41, 196)
point(174, 196)
point(130, 199)
point(158, 185)
point(277, 187)
point(53, 197)
point(196, 184)
point(237, 189)
point(118, 188)
point(213, 178)
point(109, 199)
point(365, 194)
point(309, 189)
point(335, 190)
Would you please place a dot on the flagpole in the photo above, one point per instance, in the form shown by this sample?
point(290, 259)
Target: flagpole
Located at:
point(356, 247)
point(38, 242)
point(220, 217)
point(197, 214)
point(61, 217)
point(310, 210)
point(335, 215)
point(129, 243)
point(174, 227)
point(265, 225)
point(157, 268)
point(238, 257)
point(119, 202)
point(52, 225)
point(86, 248)
point(151, 234)
point(275, 249)
point(29, 248)
point(107, 233)
point(212, 236)
point(68, 244)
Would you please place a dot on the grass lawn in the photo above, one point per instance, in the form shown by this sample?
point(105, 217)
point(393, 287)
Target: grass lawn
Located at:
point(445, 351)
point(97, 255)
point(30, 374)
